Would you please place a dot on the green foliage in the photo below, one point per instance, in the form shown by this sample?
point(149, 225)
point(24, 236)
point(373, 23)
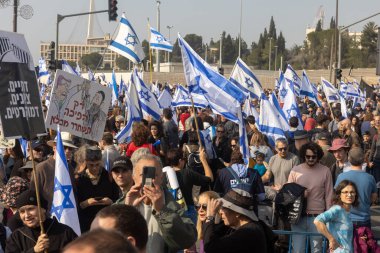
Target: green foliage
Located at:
point(195, 41)
point(332, 23)
point(318, 28)
point(122, 63)
point(92, 60)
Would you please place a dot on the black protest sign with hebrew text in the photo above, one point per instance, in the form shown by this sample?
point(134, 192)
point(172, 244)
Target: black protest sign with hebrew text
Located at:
point(20, 104)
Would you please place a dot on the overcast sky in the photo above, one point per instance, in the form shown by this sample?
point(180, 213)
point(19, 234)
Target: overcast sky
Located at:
point(207, 18)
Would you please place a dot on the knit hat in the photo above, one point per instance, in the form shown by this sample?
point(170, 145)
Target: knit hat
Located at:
point(10, 192)
point(29, 198)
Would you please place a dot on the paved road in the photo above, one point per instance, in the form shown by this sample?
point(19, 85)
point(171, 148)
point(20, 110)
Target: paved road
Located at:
point(375, 220)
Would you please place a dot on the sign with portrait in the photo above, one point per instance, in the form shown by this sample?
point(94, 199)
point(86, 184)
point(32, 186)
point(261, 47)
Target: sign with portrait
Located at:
point(78, 106)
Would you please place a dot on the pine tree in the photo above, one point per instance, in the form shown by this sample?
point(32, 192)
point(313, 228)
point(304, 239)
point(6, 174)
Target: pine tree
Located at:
point(272, 29)
point(332, 23)
point(318, 28)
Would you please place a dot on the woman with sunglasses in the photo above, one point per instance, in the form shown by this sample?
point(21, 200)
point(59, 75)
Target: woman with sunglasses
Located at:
point(201, 208)
point(335, 224)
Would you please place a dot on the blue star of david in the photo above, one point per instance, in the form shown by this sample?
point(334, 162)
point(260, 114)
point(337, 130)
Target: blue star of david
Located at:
point(159, 39)
point(208, 139)
point(249, 82)
point(130, 39)
point(66, 203)
point(144, 95)
point(283, 92)
point(184, 97)
point(289, 111)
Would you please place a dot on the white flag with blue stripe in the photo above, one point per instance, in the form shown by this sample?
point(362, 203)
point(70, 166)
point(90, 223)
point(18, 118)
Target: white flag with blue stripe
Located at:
point(182, 98)
point(134, 104)
point(296, 80)
point(307, 89)
point(78, 70)
point(91, 75)
point(165, 99)
point(268, 121)
point(207, 143)
point(244, 78)
point(127, 42)
point(249, 109)
point(223, 96)
point(148, 102)
point(43, 73)
point(243, 140)
point(122, 86)
point(330, 91)
point(114, 88)
point(290, 107)
point(158, 41)
point(66, 67)
point(124, 136)
point(64, 206)
point(281, 87)
point(278, 110)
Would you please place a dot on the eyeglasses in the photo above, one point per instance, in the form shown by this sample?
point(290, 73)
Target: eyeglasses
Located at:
point(282, 149)
point(232, 146)
point(349, 193)
point(203, 206)
point(218, 131)
point(311, 157)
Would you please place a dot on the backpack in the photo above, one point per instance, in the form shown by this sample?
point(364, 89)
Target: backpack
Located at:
point(240, 184)
point(194, 161)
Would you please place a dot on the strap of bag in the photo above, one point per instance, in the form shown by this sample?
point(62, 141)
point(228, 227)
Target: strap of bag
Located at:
point(237, 178)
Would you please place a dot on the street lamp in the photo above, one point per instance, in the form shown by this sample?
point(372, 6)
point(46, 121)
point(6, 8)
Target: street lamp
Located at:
point(270, 51)
point(241, 18)
point(169, 27)
point(206, 52)
point(275, 57)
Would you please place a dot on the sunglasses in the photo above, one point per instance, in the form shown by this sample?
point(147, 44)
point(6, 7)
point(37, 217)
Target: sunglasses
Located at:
point(282, 149)
point(220, 131)
point(311, 157)
point(232, 146)
point(203, 206)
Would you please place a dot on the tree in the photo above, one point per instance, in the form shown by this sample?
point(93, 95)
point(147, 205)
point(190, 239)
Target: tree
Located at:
point(229, 53)
point(272, 29)
point(92, 60)
point(332, 23)
point(369, 37)
point(195, 42)
point(122, 63)
point(318, 28)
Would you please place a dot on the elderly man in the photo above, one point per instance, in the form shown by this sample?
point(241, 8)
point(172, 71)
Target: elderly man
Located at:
point(45, 170)
point(345, 132)
point(168, 227)
point(29, 238)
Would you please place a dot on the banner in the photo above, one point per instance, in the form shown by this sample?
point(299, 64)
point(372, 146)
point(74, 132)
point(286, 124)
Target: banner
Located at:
point(79, 106)
point(20, 105)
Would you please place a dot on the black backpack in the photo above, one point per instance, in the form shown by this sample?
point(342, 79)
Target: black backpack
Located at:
point(194, 161)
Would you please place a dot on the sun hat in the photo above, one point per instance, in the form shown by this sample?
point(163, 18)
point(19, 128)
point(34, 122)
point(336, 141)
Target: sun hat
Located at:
point(240, 202)
point(67, 140)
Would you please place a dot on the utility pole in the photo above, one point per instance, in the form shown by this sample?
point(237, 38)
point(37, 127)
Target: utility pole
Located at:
point(220, 51)
point(158, 29)
point(15, 10)
point(275, 57)
point(336, 39)
point(270, 51)
point(241, 21)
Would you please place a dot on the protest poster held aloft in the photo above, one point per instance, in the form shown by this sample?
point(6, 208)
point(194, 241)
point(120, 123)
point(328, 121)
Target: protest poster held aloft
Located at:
point(20, 105)
point(78, 106)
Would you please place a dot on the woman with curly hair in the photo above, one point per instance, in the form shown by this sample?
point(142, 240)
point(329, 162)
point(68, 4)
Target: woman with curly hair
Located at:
point(157, 138)
point(140, 139)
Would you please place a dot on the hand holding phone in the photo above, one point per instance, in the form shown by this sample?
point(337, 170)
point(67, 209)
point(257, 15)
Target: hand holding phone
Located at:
point(149, 173)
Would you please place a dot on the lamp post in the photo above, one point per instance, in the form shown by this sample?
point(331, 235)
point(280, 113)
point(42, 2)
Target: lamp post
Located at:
point(220, 50)
point(241, 21)
point(275, 57)
point(158, 28)
point(270, 51)
point(206, 52)
point(169, 27)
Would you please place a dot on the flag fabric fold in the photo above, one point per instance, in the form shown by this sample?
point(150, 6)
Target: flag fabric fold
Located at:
point(278, 111)
point(64, 206)
point(307, 89)
point(127, 42)
point(296, 80)
point(290, 107)
point(331, 93)
point(66, 67)
point(158, 41)
point(124, 136)
point(165, 99)
point(114, 88)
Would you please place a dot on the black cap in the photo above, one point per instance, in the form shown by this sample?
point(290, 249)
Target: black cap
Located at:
point(300, 134)
point(122, 162)
point(29, 198)
point(322, 136)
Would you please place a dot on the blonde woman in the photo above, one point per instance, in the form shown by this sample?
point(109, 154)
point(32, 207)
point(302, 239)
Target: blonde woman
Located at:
point(258, 145)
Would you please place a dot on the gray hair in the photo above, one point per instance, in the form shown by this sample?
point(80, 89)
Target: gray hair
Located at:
point(136, 156)
point(282, 140)
point(356, 156)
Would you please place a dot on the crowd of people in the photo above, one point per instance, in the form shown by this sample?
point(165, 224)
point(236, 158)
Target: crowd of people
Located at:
point(332, 162)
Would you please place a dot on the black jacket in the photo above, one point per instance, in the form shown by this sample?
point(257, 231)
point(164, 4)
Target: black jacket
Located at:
point(24, 239)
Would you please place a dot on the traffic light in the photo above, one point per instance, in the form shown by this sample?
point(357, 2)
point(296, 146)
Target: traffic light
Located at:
point(338, 74)
point(112, 10)
point(221, 71)
point(51, 63)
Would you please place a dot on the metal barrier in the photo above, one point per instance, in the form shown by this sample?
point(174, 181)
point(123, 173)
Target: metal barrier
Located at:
point(307, 234)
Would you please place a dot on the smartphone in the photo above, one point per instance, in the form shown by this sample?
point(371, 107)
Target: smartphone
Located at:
point(149, 173)
point(98, 198)
point(221, 160)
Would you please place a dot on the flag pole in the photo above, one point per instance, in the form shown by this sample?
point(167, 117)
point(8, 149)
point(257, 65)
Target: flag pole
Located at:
point(196, 121)
point(37, 190)
point(150, 55)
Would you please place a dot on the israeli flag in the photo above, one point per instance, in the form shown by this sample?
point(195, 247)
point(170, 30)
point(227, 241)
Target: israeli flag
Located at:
point(352, 91)
point(282, 87)
point(207, 142)
point(343, 106)
point(66, 67)
point(148, 102)
point(158, 41)
point(64, 206)
point(223, 96)
point(122, 86)
point(331, 93)
point(268, 121)
point(134, 105)
point(307, 89)
point(243, 140)
point(165, 99)
point(244, 78)
point(43, 73)
point(78, 70)
point(91, 75)
point(290, 107)
point(103, 77)
point(278, 111)
point(182, 98)
point(343, 88)
point(155, 89)
point(124, 136)
point(249, 109)
point(296, 80)
point(127, 43)
point(24, 146)
point(42, 91)
point(115, 92)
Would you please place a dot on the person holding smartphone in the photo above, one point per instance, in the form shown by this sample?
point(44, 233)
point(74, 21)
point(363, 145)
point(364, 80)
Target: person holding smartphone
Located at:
point(168, 226)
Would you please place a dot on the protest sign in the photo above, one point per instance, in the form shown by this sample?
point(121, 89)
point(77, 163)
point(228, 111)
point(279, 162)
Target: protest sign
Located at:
point(20, 104)
point(79, 106)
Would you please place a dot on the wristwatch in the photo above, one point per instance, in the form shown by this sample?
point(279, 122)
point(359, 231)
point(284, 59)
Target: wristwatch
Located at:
point(210, 218)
